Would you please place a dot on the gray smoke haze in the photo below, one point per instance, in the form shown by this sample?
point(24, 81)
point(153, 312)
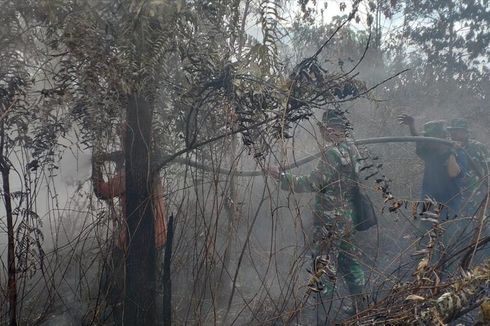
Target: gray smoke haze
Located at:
point(240, 250)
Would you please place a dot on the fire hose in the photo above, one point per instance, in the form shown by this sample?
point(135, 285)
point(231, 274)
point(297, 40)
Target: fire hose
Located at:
point(309, 158)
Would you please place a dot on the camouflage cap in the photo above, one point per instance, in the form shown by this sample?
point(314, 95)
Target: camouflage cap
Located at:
point(334, 117)
point(458, 123)
point(435, 128)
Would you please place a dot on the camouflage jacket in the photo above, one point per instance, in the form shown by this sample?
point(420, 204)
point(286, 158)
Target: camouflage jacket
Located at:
point(333, 180)
point(479, 155)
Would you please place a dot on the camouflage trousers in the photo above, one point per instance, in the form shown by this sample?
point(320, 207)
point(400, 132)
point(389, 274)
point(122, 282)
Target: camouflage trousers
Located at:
point(332, 240)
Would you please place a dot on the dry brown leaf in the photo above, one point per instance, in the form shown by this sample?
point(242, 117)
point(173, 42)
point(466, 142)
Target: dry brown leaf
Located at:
point(423, 264)
point(414, 297)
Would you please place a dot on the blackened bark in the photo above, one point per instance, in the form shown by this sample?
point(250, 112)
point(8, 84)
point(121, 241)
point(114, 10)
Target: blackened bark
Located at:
point(139, 303)
point(12, 281)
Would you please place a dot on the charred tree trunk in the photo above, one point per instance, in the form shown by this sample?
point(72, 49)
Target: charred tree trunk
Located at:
point(12, 281)
point(139, 304)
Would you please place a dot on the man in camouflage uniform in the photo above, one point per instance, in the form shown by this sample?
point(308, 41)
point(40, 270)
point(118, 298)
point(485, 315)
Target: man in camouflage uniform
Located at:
point(475, 185)
point(334, 181)
point(445, 180)
point(444, 167)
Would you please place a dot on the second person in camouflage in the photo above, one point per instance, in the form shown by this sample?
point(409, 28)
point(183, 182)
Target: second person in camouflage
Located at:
point(475, 185)
point(333, 181)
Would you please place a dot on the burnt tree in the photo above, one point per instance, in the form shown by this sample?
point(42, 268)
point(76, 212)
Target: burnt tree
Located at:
point(139, 304)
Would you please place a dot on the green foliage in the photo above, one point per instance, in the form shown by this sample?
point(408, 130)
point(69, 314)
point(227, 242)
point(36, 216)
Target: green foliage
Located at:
point(442, 40)
point(452, 34)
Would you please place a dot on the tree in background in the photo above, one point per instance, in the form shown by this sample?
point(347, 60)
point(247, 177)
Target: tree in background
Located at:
point(447, 45)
